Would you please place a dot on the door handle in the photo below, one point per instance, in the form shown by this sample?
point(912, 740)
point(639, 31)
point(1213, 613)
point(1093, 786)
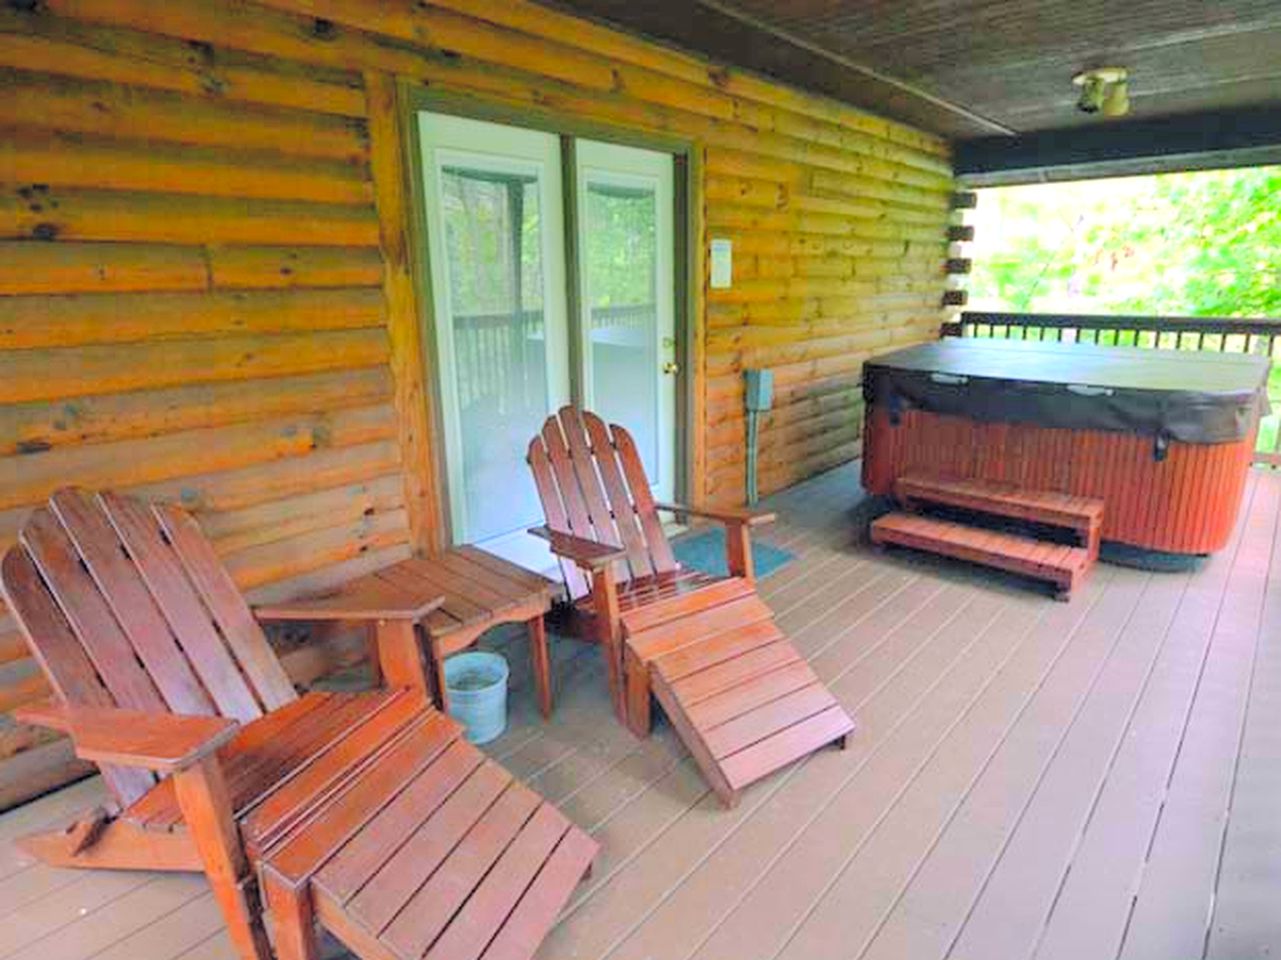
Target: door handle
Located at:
point(671, 366)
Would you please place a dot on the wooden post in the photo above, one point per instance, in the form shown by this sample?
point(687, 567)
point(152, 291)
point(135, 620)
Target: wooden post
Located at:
point(738, 551)
point(541, 662)
point(609, 630)
point(636, 673)
point(412, 398)
point(400, 657)
point(292, 917)
point(206, 808)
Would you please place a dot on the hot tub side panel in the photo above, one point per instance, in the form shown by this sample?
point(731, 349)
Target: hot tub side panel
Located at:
point(1186, 503)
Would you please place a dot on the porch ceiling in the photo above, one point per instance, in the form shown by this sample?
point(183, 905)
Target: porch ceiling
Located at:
point(978, 68)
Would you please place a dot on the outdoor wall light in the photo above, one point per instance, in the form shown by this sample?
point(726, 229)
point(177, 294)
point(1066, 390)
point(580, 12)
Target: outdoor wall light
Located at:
point(1104, 90)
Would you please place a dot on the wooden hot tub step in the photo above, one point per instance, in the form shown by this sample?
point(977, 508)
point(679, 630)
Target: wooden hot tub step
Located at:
point(1084, 515)
point(1060, 564)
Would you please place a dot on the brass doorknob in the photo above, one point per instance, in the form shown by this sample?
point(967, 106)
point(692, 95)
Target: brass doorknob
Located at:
point(671, 366)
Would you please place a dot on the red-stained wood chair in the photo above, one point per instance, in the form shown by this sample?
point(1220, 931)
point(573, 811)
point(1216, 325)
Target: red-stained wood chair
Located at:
point(741, 697)
point(365, 812)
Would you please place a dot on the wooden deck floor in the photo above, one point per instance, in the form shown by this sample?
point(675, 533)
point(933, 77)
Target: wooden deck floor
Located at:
point(1089, 780)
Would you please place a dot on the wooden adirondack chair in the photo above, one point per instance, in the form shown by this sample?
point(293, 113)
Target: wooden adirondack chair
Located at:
point(741, 697)
point(366, 812)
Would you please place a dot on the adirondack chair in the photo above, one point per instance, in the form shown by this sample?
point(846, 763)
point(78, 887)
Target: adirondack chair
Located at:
point(741, 697)
point(365, 812)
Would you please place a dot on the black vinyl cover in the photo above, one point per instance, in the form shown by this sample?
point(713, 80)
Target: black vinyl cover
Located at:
point(1196, 397)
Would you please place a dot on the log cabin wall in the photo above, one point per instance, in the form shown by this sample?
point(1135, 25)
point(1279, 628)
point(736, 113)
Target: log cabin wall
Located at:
point(205, 292)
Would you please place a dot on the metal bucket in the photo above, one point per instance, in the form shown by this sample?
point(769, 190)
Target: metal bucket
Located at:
point(477, 684)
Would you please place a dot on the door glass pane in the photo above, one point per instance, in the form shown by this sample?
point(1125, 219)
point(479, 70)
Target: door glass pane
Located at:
point(493, 237)
point(620, 272)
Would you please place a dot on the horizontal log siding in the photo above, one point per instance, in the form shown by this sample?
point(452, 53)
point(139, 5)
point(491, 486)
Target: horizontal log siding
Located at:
point(192, 306)
point(195, 300)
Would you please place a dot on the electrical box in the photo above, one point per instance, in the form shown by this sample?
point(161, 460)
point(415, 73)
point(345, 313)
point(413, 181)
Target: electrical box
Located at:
point(759, 387)
point(722, 264)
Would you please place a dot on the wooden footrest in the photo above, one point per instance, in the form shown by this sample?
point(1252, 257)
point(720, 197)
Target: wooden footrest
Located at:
point(1049, 507)
point(1063, 565)
point(740, 696)
point(416, 846)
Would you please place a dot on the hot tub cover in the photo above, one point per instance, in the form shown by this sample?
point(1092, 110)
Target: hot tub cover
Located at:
point(1174, 394)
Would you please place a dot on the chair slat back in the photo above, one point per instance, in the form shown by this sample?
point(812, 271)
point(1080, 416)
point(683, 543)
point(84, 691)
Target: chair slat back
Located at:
point(127, 605)
point(64, 660)
point(592, 484)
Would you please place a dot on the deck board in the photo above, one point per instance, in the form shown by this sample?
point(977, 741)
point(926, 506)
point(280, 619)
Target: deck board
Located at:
point(999, 797)
point(1171, 910)
point(1023, 845)
point(1244, 921)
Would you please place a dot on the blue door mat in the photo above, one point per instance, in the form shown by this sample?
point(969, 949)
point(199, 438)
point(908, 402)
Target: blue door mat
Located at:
point(705, 551)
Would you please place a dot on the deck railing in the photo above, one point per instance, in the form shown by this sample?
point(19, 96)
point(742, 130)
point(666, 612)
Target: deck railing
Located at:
point(1217, 334)
point(488, 347)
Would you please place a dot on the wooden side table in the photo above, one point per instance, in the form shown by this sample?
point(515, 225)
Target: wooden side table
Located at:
point(454, 598)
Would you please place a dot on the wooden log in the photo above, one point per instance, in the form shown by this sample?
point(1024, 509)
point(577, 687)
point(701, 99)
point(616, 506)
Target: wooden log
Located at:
point(294, 266)
point(74, 320)
point(274, 480)
point(148, 460)
point(933, 200)
point(17, 737)
point(34, 211)
point(74, 160)
point(38, 770)
point(32, 266)
point(107, 109)
point(726, 427)
point(537, 20)
point(37, 41)
point(28, 688)
point(293, 516)
point(319, 581)
point(785, 446)
point(84, 371)
point(768, 194)
point(726, 485)
point(318, 549)
point(788, 221)
point(582, 66)
point(805, 351)
point(12, 645)
point(33, 427)
point(413, 400)
point(291, 35)
point(791, 288)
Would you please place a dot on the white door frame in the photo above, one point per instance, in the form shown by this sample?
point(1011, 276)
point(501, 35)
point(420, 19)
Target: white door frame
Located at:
point(597, 161)
point(448, 140)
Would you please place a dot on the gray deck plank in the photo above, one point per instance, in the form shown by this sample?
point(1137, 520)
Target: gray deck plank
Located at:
point(1172, 910)
point(997, 799)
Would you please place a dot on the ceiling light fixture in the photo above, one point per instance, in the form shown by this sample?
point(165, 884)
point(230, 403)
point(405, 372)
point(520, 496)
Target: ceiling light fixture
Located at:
point(1104, 90)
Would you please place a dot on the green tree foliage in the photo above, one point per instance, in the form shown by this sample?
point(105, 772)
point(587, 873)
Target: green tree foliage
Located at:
point(1195, 244)
point(620, 246)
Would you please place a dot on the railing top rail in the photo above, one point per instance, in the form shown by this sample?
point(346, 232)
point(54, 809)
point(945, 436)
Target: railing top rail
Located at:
point(1093, 321)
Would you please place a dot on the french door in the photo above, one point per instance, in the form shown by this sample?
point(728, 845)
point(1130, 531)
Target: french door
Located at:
point(509, 353)
point(627, 321)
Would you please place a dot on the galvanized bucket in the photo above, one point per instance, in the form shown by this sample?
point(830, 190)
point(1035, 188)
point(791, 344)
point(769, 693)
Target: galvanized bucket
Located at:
point(477, 684)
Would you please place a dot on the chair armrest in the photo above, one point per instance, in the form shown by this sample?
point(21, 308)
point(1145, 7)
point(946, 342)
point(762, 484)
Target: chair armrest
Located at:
point(750, 518)
point(161, 742)
point(588, 554)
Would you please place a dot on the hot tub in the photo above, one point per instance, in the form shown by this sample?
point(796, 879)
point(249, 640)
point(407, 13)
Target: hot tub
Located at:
point(1164, 437)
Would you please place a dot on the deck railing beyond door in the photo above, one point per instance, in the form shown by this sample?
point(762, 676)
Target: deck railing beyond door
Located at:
point(1217, 334)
